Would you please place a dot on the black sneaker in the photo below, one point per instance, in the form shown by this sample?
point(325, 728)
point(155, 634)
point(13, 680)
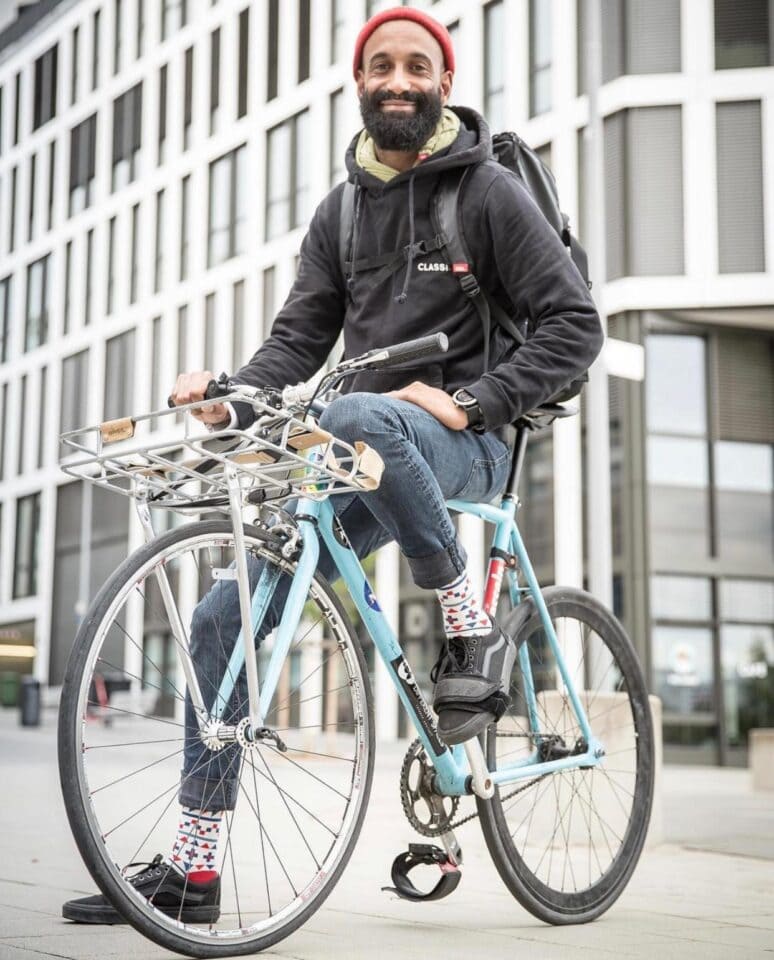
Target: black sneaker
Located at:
point(164, 887)
point(472, 679)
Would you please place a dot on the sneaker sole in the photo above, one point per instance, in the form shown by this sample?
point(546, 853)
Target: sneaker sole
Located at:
point(110, 916)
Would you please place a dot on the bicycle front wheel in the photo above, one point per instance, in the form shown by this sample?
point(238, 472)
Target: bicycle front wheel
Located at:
point(126, 730)
point(566, 843)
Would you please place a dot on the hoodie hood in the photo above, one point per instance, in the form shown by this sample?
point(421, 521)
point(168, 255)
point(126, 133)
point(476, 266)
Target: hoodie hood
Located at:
point(472, 145)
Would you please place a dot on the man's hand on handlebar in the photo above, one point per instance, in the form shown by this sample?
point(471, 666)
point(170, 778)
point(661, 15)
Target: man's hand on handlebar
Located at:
point(190, 388)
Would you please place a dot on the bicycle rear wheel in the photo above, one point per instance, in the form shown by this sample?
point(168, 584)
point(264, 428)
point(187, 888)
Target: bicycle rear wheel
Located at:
point(566, 843)
point(123, 736)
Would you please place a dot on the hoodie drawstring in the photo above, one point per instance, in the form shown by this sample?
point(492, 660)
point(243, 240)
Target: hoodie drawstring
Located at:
point(403, 296)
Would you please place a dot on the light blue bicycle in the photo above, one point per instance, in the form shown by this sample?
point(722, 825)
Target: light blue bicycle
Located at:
point(562, 785)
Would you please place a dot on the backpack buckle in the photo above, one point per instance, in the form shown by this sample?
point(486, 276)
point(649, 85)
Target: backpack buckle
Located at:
point(469, 285)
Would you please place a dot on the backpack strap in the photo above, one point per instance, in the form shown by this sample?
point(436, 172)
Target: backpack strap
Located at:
point(346, 226)
point(447, 215)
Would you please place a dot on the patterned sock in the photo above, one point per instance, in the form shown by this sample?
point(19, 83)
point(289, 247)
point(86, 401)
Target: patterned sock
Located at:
point(196, 846)
point(463, 615)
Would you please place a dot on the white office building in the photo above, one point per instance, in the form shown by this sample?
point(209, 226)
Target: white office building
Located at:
point(159, 160)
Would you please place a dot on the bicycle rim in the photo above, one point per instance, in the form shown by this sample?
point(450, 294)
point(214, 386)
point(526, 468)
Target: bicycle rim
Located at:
point(566, 843)
point(297, 811)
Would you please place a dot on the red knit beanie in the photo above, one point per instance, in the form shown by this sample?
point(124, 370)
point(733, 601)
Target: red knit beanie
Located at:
point(438, 30)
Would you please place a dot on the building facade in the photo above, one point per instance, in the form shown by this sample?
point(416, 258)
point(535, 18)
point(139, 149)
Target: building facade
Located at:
point(159, 160)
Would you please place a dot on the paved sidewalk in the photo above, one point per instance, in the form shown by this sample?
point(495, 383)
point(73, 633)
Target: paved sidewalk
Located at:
point(707, 893)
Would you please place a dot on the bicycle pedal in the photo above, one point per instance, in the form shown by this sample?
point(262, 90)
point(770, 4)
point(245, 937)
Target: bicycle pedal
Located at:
point(427, 854)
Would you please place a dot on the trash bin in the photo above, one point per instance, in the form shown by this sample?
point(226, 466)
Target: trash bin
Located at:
point(9, 688)
point(29, 702)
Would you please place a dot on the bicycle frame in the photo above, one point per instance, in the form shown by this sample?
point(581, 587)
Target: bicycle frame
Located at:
point(316, 519)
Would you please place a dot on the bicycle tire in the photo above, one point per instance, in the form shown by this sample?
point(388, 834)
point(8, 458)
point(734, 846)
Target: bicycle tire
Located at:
point(520, 870)
point(79, 792)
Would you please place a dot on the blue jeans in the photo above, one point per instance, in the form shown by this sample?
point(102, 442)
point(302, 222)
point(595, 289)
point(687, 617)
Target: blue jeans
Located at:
point(425, 463)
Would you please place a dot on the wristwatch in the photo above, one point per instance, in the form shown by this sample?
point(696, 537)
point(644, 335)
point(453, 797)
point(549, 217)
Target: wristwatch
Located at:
point(467, 402)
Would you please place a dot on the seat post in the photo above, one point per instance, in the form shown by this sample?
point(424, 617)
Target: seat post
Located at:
point(517, 461)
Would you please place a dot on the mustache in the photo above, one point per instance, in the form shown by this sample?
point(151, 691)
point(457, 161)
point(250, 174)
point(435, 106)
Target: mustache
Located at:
point(410, 96)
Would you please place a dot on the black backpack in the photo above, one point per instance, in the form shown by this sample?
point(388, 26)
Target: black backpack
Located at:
point(515, 155)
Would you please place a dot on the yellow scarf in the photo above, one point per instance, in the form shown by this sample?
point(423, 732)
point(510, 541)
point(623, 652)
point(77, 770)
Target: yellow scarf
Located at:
point(443, 136)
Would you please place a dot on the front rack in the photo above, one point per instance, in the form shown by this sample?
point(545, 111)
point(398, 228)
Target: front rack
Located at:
point(279, 457)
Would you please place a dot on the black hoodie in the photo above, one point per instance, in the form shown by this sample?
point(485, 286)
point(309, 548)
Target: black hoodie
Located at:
point(518, 259)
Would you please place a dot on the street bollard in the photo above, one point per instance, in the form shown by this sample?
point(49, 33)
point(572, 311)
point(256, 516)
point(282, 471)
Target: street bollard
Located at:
point(29, 702)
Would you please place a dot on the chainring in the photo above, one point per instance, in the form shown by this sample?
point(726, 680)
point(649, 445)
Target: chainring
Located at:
point(435, 814)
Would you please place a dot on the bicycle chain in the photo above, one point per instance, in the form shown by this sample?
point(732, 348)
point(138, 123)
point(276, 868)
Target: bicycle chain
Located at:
point(416, 752)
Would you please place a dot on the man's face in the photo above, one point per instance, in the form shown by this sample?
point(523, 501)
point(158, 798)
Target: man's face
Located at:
point(402, 85)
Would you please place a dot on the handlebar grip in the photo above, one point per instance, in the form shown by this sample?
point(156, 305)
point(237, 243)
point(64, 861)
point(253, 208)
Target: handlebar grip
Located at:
point(410, 350)
point(214, 389)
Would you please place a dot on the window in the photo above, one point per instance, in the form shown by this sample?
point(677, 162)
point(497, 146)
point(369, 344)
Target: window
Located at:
point(677, 447)
point(83, 142)
point(12, 211)
point(68, 288)
point(42, 435)
point(89, 296)
point(210, 320)
point(287, 188)
point(339, 139)
point(73, 411)
point(494, 64)
point(36, 323)
point(214, 80)
point(5, 317)
point(182, 347)
point(188, 98)
point(51, 183)
point(158, 267)
point(127, 136)
point(644, 192)
point(638, 37)
point(3, 424)
point(539, 57)
point(156, 399)
point(135, 257)
point(17, 108)
point(2, 125)
point(140, 37)
point(95, 47)
point(162, 113)
point(237, 326)
point(33, 195)
point(22, 433)
point(740, 187)
point(44, 107)
point(244, 62)
point(743, 34)
point(25, 564)
point(119, 375)
point(174, 15)
point(117, 35)
point(272, 66)
point(111, 271)
point(226, 234)
point(304, 34)
point(185, 226)
point(75, 65)
point(338, 25)
point(269, 299)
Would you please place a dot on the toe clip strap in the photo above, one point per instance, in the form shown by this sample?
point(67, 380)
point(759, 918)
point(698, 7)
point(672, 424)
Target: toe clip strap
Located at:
point(471, 692)
point(423, 853)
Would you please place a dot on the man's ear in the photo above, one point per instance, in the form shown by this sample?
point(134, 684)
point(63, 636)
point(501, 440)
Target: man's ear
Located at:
point(360, 81)
point(446, 86)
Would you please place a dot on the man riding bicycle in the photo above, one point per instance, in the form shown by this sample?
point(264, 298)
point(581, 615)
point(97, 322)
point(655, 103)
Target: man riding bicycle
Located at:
point(441, 428)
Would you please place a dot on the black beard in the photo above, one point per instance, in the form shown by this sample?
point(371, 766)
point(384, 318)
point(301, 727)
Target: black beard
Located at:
point(405, 133)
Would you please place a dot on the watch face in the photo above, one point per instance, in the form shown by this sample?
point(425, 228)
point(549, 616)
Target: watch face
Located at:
point(464, 399)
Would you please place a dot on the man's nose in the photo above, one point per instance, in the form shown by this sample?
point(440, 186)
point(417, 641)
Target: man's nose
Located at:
point(400, 81)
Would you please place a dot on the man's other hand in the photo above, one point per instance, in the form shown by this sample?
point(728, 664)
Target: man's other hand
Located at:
point(189, 388)
point(435, 401)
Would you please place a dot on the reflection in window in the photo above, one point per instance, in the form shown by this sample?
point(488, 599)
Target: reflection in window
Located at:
point(44, 107)
point(751, 600)
point(185, 226)
point(96, 42)
point(681, 598)
point(210, 319)
point(111, 270)
point(676, 384)
point(162, 139)
point(738, 132)
point(89, 293)
point(747, 665)
point(134, 241)
point(228, 207)
point(744, 478)
point(743, 34)
point(68, 288)
point(127, 136)
point(539, 57)
point(158, 267)
point(682, 669)
point(287, 188)
point(25, 563)
point(188, 98)
point(494, 64)
point(36, 324)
